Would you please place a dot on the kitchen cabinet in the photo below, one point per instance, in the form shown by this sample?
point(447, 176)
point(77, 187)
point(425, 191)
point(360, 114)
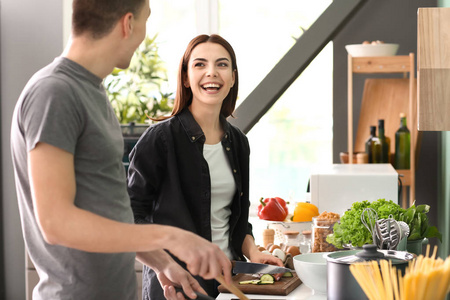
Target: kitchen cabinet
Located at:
point(32, 277)
point(433, 68)
point(385, 98)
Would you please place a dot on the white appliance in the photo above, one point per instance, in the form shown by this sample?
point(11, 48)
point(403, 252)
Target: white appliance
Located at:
point(335, 187)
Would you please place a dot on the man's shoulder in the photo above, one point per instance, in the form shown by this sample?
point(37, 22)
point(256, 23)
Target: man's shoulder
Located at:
point(48, 77)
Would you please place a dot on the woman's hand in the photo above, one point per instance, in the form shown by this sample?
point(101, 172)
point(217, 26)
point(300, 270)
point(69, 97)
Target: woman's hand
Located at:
point(263, 258)
point(254, 255)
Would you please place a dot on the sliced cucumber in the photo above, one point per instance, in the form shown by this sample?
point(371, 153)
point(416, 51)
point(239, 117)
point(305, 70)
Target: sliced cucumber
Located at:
point(256, 281)
point(267, 279)
point(265, 282)
point(288, 274)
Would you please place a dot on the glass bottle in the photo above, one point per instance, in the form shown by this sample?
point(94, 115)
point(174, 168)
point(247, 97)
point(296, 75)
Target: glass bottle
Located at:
point(402, 145)
point(381, 146)
point(369, 142)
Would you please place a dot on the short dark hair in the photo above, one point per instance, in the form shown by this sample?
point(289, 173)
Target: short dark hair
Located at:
point(98, 17)
point(183, 97)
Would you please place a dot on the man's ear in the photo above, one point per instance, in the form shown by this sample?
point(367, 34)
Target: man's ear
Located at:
point(127, 24)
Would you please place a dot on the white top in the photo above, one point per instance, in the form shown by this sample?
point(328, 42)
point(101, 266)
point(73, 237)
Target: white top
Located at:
point(223, 189)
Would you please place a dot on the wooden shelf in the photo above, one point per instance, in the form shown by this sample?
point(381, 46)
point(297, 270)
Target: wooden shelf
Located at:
point(385, 99)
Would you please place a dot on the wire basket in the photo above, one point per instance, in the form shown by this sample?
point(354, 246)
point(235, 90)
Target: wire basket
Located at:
point(281, 227)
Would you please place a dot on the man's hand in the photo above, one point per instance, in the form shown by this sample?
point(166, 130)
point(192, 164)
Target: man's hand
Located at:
point(175, 275)
point(202, 257)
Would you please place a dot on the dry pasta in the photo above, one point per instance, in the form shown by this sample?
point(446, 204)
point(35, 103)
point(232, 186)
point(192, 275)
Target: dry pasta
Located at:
point(425, 278)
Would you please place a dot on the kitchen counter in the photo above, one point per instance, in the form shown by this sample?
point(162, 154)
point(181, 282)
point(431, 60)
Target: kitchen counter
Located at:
point(302, 292)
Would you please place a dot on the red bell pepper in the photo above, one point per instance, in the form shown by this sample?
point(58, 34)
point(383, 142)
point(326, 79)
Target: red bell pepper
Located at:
point(270, 209)
point(283, 204)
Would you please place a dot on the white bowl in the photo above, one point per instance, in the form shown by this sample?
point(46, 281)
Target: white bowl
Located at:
point(372, 50)
point(311, 268)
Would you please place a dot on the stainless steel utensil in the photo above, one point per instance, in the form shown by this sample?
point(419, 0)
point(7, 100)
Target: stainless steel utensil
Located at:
point(369, 218)
point(394, 234)
point(404, 233)
point(388, 233)
point(404, 229)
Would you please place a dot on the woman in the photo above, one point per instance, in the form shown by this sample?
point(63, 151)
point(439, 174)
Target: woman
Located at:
point(192, 169)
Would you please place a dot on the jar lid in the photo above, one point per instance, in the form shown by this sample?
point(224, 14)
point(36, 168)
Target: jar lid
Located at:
point(291, 232)
point(306, 232)
point(368, 253)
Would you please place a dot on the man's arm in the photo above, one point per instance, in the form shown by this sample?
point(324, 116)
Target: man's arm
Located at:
point(52, 179)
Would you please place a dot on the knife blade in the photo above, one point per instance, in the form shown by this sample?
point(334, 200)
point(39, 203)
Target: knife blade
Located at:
point(255, 268)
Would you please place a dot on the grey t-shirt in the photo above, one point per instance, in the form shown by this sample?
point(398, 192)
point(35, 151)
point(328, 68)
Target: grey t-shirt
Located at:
point(66, 106)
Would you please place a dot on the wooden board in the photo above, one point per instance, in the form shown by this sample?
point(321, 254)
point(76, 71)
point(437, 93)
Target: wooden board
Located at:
point(383, 99)
point(281, 288)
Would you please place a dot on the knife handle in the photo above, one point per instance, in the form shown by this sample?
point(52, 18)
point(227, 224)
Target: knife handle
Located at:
point(200, 296)
point(231, 288)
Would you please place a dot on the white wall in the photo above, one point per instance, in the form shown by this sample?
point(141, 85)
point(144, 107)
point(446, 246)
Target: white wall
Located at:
point(31, 36)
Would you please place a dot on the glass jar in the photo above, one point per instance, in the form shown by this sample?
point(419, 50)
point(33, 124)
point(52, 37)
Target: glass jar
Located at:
point(305, 243)
point(321, 228)
point(291, 238)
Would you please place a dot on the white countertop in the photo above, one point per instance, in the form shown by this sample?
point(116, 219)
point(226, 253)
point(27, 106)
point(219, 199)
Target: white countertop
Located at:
point(302, 292)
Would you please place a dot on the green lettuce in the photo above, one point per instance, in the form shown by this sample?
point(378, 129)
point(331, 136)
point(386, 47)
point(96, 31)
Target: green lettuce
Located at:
point(351, 231)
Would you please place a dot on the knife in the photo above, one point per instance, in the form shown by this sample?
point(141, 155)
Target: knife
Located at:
point(255, 268)
point(200, 296)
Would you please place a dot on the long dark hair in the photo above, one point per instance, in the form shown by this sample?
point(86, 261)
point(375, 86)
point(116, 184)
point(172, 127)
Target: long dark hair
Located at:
point(183, 96)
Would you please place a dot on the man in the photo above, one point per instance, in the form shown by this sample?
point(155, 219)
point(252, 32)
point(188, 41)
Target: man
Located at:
point(67, 149)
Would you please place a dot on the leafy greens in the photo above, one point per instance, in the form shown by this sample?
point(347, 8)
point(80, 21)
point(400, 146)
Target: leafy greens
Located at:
point(351, 231)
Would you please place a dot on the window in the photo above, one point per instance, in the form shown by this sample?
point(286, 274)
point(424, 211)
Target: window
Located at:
point(296, 133)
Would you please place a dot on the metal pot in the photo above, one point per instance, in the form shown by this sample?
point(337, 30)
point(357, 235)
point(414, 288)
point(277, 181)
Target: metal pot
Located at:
point(340, 282)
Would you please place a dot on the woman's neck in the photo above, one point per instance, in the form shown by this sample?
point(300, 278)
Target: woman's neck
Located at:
point(209, 122)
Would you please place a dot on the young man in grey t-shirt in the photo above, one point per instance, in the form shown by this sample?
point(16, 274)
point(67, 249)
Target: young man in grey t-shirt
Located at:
point(67, 153)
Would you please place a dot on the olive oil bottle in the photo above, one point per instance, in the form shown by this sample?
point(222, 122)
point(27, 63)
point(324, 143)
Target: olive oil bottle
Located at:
point(381, 146)
point(402, 145)
point(370, 141)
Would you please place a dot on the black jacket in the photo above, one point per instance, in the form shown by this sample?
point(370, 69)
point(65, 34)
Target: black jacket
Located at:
point(169, 182)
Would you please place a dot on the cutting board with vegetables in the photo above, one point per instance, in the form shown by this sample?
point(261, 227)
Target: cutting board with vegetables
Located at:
point(282, 287)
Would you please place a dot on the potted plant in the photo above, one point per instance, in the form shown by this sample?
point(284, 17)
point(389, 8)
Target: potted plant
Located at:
point(137, 93)
point(419, 228)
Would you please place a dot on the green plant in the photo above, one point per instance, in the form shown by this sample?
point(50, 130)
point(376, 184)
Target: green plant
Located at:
point(417, 221)
point(137, 93)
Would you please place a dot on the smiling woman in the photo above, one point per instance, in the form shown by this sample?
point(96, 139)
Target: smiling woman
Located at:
point(197, 161)
point(296, 133)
